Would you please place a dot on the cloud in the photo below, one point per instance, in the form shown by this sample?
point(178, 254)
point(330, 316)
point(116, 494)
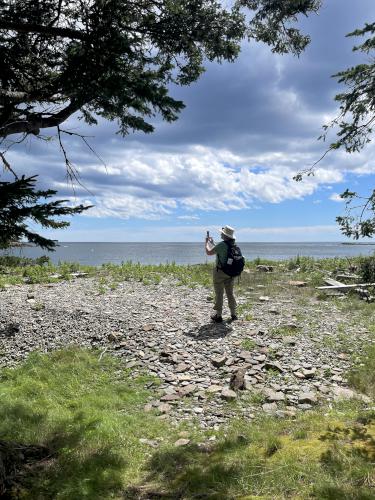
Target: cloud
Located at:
point(141, 184)
point(336, 197)
point(188, 217)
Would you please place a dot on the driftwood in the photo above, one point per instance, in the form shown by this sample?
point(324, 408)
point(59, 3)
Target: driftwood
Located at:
point(347, 276)
point(360, 288)
point(343, 286)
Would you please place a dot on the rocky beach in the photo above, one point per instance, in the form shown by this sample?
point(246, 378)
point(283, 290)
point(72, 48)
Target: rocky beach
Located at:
point(288, 352)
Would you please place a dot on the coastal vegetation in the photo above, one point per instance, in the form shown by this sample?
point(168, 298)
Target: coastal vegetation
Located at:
point(15, 270)
point(79, 414)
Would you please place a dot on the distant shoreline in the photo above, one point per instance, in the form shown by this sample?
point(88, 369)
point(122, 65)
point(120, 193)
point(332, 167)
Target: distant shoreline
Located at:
point(349, 243)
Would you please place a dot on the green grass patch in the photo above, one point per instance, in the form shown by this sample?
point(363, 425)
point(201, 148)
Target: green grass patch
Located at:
point(285, 331)
point(86, 410)
point(248, 344)
point(339, 342)
point(317, 455)
point(18, 270)
point(362, 377)
point(88, 413)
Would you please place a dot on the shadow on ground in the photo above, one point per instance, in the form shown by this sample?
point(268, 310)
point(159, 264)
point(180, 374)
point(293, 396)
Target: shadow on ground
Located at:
point(239, 468)
point(10, 330)
point(194, 471)
point(51, 469)
point(210, 331)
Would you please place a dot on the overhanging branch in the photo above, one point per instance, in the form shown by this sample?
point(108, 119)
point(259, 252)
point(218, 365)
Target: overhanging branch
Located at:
point(43, 30)
point(35, 122)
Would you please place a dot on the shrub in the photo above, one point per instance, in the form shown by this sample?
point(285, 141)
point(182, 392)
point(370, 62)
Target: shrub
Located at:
point(367, 269)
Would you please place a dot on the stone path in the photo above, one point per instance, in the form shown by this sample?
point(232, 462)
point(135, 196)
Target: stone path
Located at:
point(287, 358)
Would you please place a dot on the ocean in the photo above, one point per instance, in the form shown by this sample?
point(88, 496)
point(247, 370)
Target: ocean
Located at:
point(96, 254)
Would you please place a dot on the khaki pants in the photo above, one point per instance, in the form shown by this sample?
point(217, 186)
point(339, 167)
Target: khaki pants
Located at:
point(223, 282)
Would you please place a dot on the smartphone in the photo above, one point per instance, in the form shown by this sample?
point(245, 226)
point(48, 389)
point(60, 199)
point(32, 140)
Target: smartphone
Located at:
point(208, 234)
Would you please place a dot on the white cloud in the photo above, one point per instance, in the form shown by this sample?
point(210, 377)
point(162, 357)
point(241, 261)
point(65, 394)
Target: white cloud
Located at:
point(336, 197)
point(188, 217)
point(152, 185)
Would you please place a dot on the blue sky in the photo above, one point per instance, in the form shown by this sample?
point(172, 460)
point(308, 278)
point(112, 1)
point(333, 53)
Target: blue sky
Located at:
point(247, 128)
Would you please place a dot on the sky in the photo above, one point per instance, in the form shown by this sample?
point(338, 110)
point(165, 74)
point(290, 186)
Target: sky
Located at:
point(247, 129)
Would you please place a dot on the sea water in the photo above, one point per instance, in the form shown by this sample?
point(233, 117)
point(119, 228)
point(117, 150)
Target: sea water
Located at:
point(96, 254)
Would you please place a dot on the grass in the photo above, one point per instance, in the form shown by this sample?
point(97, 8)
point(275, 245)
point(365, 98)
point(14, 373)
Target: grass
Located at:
point(256, 398)
point(330, 456)
point(87, 412)
point(362, 377)
point(16, 271)
point(285, 331)
point(248, 344)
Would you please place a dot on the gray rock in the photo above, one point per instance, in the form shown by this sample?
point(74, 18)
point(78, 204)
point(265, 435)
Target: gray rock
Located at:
point(269, 407)
point(181, 367)
point(164, 408)
point(219, 361)
point(188, 390)
point(177, 316)
point(228, 394)
point(272, 396)
point(307, 397)
point(133, 364)
point(309, 373)
point(214, 388)
point(345, 393)
point(268, 365)
point(170, 397)
point(182, 442)
point(149, 442)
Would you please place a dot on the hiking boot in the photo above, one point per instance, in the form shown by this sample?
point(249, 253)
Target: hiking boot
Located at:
point(234, 317)
point(216, 318)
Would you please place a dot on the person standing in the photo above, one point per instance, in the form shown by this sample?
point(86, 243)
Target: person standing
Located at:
point(221, 281)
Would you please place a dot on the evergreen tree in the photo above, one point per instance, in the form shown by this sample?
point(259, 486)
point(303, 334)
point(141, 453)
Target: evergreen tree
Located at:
point(118, 58)
point(354, 127)
point(19, 205)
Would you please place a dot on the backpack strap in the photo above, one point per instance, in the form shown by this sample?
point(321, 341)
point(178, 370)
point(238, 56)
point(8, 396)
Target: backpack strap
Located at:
point(229, 244)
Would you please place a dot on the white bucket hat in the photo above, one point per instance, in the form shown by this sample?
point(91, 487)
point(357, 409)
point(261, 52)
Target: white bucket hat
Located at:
point(228, 231)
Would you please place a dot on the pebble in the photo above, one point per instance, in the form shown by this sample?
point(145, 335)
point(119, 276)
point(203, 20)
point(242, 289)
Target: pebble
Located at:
point(228, 394)
point(165, 330)
point(182, 442)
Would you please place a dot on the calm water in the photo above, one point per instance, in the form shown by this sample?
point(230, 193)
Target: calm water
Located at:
point(187, 253)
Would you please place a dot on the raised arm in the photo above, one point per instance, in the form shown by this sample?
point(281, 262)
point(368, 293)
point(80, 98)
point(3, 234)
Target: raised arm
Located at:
point(208, 251)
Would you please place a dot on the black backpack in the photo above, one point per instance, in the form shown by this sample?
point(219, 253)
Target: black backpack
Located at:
point(235, 260)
